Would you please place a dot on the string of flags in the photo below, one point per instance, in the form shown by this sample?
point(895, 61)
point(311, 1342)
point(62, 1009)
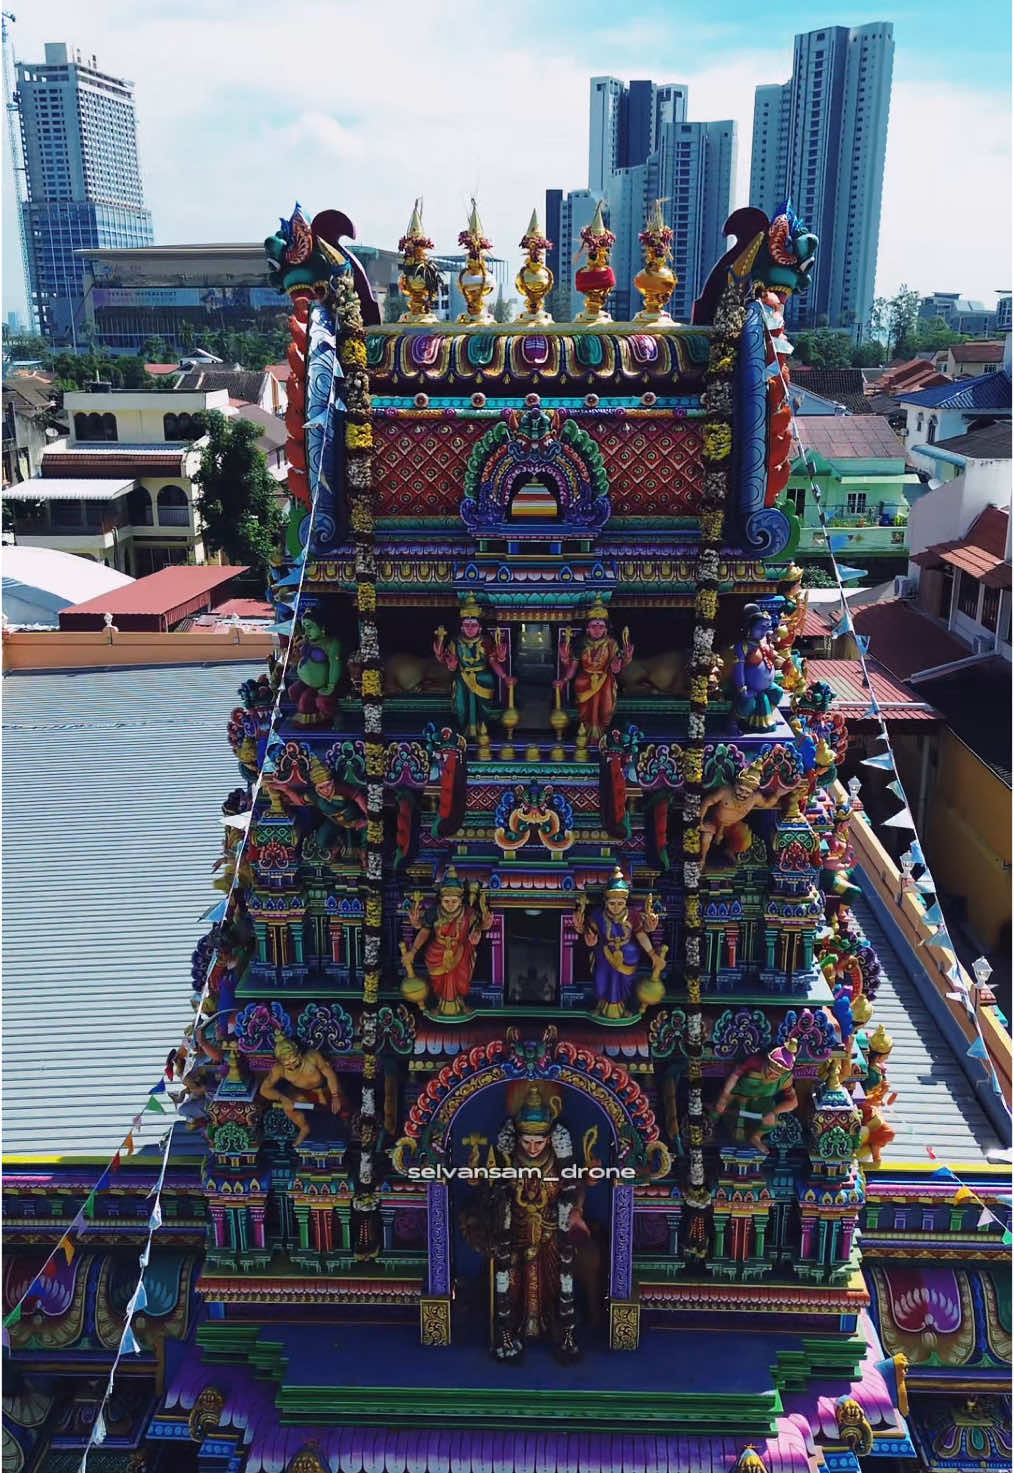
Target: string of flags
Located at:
point(924, 886)
point(66, 1246)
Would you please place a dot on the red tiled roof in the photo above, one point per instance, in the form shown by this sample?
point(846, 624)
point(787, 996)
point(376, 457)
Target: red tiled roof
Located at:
point(980, 553)
point(916, 373)
point(905, 640)
point(154, 602)
point(160, 368)
point(850, 437)
point(815, 625)
point(978, 352)
point(280, 371)
point(897, 701)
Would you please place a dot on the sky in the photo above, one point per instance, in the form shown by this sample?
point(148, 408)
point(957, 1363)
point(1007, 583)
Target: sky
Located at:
point(243, 109)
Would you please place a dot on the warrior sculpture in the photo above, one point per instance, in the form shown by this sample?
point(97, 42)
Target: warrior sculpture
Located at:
point(724, 811)
point(594, 670)
point(617, 937)
point(876, 1132)
point(474, 658)
point(449, 940)
point(310, 1081)
point(758, 1091)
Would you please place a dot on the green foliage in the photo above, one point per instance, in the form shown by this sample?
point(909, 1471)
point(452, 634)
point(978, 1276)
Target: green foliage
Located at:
point(503, 310)
point(236, 495)
point(902, 316)
point(871, 354)
point(26, 347)
point(250, 349)
point(815, 576)
point(824, 349)
point(934, 334)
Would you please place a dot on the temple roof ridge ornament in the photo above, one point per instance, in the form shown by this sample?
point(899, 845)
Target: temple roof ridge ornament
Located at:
point(656, 281)
point(596, 278)
point(535, 280)
point(419, 280)
point(475, 279)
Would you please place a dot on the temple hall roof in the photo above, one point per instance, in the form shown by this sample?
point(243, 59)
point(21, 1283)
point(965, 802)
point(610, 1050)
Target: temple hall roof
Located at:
point(107, 855)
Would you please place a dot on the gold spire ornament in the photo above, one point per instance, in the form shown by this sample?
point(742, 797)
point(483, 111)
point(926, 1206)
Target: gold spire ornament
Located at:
point(596, 278)
point(656, 281)
point(419, 280)
point(474, 278)
point(535, 280)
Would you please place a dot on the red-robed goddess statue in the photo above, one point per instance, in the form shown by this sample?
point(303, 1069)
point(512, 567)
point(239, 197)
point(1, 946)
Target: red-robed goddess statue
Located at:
point(448, 937)
point(594, 670)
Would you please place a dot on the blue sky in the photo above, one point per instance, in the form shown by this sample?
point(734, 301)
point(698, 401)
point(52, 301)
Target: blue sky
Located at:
point(243, 108)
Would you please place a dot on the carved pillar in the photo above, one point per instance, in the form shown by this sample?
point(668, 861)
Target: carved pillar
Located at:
point(621, 1247)
point(435, 1306)
point(496, 949)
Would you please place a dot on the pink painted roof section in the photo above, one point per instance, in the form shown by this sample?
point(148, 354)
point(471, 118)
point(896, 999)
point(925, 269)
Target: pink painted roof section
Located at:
point(280, 371)
point(161, 368)
point(246, 608)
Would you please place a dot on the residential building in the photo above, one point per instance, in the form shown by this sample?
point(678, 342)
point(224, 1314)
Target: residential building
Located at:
point(642, 148)
point(29, 409)
point(79, 141)
point(961, 314)
point(820, 140)
point(951, 409)
point(859, 464)
point(264, 387)
point(120, 489)
point(1003, 312)
point(625, 122)
point(845, 386)
point(950, 638)
point(970, 360)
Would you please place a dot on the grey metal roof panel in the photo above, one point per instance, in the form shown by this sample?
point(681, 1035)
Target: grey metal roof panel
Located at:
point(111, 786)
point(935, 1097)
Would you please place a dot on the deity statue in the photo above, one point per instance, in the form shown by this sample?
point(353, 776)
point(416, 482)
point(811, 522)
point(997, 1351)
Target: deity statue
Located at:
point(530, 1225)
point(474, 658)
point(594, 670)
point(617, 936)
point(759, 1090)
point(876, 1132)
point(310, 1081)
point(724, 811)
point(791, 667)
point(449, 938)
point(755, 691)
point(318, 668)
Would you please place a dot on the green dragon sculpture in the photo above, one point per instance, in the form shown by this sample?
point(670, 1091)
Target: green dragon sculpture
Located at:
point(778, 254)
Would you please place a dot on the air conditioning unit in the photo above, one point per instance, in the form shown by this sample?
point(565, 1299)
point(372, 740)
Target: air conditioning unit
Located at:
point(982, 644)
point(905, 587)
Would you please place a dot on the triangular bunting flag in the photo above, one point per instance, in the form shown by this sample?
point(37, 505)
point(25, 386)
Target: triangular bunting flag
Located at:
point(155, 1221)
point(894, 786)
point(931, 1153)
point(915, 853)
point(153, 1104)
point(13, 1317)
point(128, 1344)
point(89, 1205)
point(5, 1338)
point(114, 1164)
point(216, 912)
point(838, 540)
point(872, 712)
point(68, 1249)
point(933, 915)
point(956, 996)
point(1000, 1017)
point(926, 884)
point(863, 641)
point(159, 1088)
point(145, 1254)
point(129, 1143)
point(1008, 1237)
point(237, 820)
point(939, 938)
point(901, 820)
point(286, 627)
point(985, 1218)
point(963, 1194)
point(977, 1049)
point(883, 760)
point(848, 574)
point(140, 1296)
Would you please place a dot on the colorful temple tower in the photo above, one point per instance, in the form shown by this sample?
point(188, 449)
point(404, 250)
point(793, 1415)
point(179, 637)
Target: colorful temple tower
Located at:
point(536, 1056)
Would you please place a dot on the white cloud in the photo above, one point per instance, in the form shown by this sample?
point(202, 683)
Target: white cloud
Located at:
point(339, 103)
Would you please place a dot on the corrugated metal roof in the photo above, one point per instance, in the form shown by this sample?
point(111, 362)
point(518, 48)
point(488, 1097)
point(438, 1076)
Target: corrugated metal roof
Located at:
point(935, 1097)
point(111, 786)
point(898, 702)
point(52, 488)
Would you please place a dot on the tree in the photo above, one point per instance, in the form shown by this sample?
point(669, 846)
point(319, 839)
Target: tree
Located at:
point(814, 576)
point(902, 317)
point(503, 310)
point(935, 334)
point(25, 347)
point(824, 349)
point(870, 354)
point(237, 497)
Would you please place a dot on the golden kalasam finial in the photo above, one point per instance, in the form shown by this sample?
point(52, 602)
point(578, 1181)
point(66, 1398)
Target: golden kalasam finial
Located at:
point(419, 280)
point(656, 281)
point(596, 278)
point(474, 278)
point(535, 280)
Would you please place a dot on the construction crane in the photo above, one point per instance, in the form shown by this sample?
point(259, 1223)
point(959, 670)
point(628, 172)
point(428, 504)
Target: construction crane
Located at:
point(17, 162)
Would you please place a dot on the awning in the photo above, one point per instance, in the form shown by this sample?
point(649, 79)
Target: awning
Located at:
point(54, 489)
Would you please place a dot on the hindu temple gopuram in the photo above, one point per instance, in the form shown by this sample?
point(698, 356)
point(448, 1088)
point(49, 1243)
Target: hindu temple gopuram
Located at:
point(537, 1110)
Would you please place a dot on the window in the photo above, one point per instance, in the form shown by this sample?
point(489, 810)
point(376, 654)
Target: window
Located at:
point(968, 595)
point(139, 508)
point(928, 1220)
point(797, 499)
point(170, 429)
point(990, 608)
point(856, 503)
point(931, 430)
point(918, 423)
point(173, 507)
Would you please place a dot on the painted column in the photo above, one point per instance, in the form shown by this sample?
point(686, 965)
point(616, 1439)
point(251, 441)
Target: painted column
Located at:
point(438, 1279)
point(621, 1261)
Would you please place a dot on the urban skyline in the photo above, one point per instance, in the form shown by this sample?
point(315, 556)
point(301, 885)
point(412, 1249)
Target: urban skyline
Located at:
point(362, 140)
